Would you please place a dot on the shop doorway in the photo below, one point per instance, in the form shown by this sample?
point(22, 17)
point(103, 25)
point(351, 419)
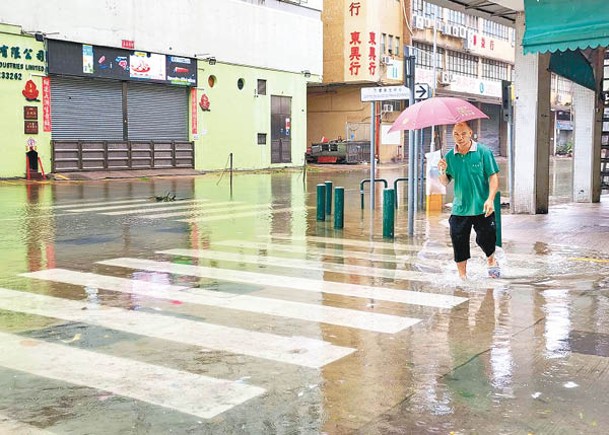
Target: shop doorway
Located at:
point(281, 129)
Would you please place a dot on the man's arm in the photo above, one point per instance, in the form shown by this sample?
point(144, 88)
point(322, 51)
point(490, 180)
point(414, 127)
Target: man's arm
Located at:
point(442, 166)
point(493, 187)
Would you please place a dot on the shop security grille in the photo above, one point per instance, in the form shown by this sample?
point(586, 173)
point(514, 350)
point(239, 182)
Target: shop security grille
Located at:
point(76, 155)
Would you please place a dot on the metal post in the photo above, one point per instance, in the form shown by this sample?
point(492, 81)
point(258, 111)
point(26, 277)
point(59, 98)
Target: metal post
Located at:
point(415, 178)
point(321, 202)
point(510, 156)
point(422, 171)
point(409, 65)
point(388, 213)
point(372, 156)
point(339, 207)
point(328, 197)
point(432, 145)
point(498, 218)
point(231, 173)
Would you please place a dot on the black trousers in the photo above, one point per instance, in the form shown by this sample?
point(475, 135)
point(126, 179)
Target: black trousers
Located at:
point(461, 228)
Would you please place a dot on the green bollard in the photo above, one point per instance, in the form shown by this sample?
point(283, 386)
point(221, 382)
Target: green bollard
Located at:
point(498, 218)
point(328, 197)
point(321, 202)
point(339, 207)
point(388, 213)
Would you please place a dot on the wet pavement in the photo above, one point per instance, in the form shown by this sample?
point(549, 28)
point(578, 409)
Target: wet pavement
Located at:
point(233, 311)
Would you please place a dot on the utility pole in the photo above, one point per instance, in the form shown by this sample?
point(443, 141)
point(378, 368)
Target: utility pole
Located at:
point(409, 79)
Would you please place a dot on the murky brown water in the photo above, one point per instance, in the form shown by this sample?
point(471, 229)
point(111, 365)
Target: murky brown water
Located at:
point(526, 353)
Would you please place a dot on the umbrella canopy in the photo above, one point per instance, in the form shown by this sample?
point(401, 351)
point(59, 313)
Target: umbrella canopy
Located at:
point(436, 111)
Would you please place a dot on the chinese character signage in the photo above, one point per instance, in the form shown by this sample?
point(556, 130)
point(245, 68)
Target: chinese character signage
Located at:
point(361, 50)
point(83, 60)
point(19, 57)
point(46, 104)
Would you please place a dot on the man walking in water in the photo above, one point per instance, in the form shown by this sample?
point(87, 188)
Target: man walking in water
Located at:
point(475, 172)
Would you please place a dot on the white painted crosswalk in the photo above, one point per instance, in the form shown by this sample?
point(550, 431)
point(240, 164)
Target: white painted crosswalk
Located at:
point(206, 212)
point(186, 392)
point(198, 395)
point(104, 208)
point(233, 216)
point(285, 282)
point(313, 251)
point(296, 350)
point(174, 206)
point(135, 202)
point(375, 322)
point(305, 264)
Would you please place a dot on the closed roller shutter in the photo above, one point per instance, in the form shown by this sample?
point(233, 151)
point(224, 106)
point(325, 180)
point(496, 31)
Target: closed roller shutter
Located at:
point(86, 109)
point(489, 128)
point(157, 112)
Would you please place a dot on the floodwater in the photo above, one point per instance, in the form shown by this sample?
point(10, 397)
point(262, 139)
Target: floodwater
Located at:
point(232, 310)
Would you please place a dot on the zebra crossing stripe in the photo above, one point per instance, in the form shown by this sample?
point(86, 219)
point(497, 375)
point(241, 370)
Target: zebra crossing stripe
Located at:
point(244, 214)
point(176, 206)
point(514, 272)
point(136, 206)
point(296, 350)
point(182, 391)
point(205, 210)
point(305, 264)
point(288, 282)
point(302, 249)
point(351, 242)
point(93, 204)
point(317, 313)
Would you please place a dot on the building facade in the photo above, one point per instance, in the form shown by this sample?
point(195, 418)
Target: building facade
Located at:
point(155, 84)
point(362, 47)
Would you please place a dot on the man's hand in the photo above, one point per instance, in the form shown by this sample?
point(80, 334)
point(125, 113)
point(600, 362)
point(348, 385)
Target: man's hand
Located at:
point(489, 207)
point(442, 165)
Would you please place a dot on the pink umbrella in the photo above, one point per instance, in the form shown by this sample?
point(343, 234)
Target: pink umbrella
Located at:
point(436, 111)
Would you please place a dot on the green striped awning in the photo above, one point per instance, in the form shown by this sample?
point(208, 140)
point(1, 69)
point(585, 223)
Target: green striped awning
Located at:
point(561, 25)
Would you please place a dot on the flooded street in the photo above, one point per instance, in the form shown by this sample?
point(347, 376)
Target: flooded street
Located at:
point(233, 311)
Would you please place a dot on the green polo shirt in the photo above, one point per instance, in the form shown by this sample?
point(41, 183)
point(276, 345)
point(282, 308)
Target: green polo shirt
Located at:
point(470, 172)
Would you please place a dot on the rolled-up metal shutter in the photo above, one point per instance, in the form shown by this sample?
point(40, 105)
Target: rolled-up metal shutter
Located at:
point(157, 112)
point(489, 128)
point(86, 109)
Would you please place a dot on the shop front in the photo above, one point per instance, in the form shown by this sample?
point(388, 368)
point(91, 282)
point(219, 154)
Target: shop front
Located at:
point(24, 104)
point(117, 109)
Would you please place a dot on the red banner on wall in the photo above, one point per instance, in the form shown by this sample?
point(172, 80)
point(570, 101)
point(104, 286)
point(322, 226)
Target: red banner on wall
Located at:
point(46, 104)
point(193, 110)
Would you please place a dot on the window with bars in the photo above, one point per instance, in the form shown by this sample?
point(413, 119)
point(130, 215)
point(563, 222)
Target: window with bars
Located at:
point(421, 7)
point(495, 30)
point(492, 69)
point(462, 63)
point(462, 19)
point(424, 55)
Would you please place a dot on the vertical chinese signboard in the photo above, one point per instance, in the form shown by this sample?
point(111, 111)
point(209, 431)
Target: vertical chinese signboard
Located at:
point(46, 104)
point(193, 111)
point(361, 51)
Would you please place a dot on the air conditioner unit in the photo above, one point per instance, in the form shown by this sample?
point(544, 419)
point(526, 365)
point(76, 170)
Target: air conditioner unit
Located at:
point(419, 22)
point(455, 31)
point(446, 78)
point(387, 60)
point(387, 107)
point(462, 32)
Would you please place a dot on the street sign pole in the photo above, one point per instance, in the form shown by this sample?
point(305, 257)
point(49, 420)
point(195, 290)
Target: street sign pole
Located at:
point(372, 154)
point(379, 93)
point(409, 65)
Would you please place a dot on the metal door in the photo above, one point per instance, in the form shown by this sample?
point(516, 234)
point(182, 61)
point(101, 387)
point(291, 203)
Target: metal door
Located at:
point(281, 129)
